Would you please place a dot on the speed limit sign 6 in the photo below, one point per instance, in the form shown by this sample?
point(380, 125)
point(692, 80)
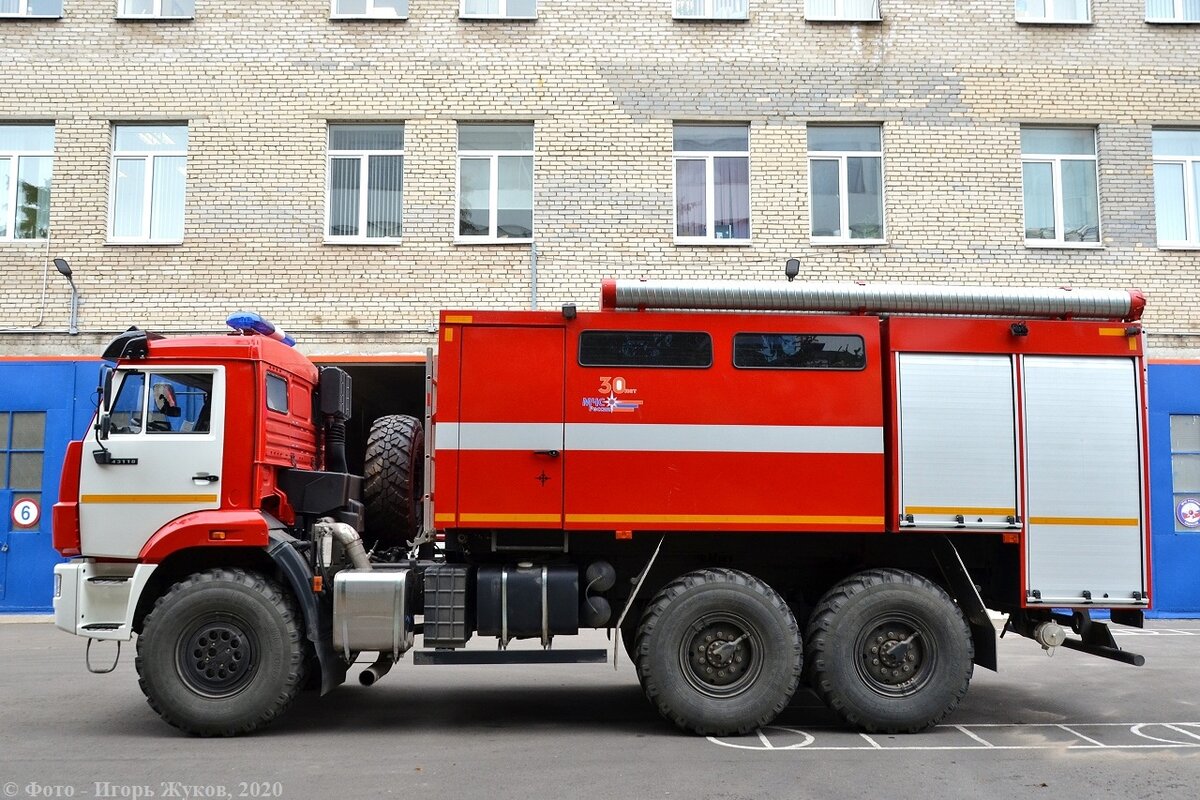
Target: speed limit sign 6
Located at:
point(26, 513)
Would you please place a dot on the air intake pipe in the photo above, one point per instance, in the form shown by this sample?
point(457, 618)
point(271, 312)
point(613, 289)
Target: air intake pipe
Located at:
point(348, 538)
point(883, 298)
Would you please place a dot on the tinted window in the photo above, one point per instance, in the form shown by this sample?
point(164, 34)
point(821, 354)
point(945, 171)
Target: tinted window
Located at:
point(645, 349)
point(798, 351)
point(277, 394)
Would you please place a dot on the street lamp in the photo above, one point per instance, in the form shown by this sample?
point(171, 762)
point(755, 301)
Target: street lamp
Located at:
point(65, 269)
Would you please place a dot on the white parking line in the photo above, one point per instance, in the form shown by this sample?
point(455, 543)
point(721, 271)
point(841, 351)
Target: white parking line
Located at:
point(982, 736)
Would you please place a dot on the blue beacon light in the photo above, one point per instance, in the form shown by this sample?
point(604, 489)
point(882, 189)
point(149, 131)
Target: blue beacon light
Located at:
point(249, 322)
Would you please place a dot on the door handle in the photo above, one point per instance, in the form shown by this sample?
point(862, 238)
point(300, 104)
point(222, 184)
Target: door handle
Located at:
point(551, 453)
point(204, 477)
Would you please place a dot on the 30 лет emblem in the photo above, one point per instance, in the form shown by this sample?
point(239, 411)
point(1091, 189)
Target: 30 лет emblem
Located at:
point(614, 397)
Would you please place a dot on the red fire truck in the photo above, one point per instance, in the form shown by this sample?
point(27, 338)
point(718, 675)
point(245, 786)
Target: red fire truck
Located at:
point(754, 486)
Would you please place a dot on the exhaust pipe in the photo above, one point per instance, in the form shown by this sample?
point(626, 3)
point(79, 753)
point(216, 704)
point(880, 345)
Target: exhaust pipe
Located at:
point(349, 540)
point(373, 673)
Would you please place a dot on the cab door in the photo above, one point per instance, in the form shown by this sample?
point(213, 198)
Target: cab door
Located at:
point(161, 457)
point(510, 430)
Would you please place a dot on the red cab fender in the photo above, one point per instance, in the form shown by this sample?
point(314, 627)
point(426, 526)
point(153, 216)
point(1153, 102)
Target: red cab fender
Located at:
point(213, 528)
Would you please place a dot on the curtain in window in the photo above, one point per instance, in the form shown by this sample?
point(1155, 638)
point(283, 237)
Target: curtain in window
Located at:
point(521, 8)
point(385, 190)
point(1160, 9)
point(691, 214)
point(45, 8)
point(138, 7)
point(826, 198)
point(1081, 205)
point(474, 7)
point(731, 184)
point(514, 197)
point(1169, 203)
point(129, 198)
point(864, 185)
point(10, 6)
point(33, 197)
point(860, 9)
point(1031, 9)
point(1039, 200)
point(474, 193)
point(343, 196)
point(178, 8)
point(822, 8)
point(1068, 10)
point(5, 167)
point(166, 202)
point(1191, 10)
point(1196, 190)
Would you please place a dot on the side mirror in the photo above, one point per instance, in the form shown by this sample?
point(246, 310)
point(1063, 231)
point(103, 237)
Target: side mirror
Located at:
point(103, 425)
point(106, 392)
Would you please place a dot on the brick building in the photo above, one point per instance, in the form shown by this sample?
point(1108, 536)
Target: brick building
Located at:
point(350, 167)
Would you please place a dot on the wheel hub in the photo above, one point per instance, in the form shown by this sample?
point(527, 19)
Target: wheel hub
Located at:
point(720, 657)
point(217, 658)
point(895, 659)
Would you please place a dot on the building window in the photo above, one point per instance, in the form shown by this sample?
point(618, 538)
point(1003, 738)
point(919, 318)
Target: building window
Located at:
point(1062, 207)
point(495, 183)
point(1055, 11)
point(845, 10)
point(366, 182)
point(1172, 10)
point(712, 184)
point(845, 164)
point(712, 9)
point(156, 9)
point(498, 9)
point(149, 172)
point(31, 8)
point(370, 9)
point(1177, 187)
point(26, 157)
point(1185, 471)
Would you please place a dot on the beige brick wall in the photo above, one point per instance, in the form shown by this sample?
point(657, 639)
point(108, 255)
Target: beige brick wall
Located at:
point(951, 82)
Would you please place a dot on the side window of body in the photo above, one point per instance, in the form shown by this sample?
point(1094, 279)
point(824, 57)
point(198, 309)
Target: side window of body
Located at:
point(126, 413)
point(180, 402)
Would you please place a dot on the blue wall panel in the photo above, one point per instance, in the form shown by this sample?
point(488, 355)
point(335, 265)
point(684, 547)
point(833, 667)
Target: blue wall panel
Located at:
point(64, 391)
point(1173, 389)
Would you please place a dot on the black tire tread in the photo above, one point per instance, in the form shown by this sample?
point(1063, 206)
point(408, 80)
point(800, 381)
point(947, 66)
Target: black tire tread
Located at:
point(286, 606)
point(394, 456)
point(654, 611)
point(822, 625)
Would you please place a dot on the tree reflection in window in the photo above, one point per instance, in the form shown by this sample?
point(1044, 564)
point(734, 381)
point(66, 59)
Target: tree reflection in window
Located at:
point(798, 351)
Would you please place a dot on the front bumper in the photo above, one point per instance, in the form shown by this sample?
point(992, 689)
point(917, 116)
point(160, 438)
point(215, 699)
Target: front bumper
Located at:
point(99, 599)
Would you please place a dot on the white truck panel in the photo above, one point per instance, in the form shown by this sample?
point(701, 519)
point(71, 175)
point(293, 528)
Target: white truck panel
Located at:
point(957, 440)
point(1083, 461)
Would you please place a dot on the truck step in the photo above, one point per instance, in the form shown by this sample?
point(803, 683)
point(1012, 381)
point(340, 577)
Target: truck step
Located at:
point(510, 656)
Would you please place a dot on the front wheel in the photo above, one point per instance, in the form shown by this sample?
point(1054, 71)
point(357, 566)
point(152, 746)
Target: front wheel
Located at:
point(889, 651)
point(222, 653)
point(718, 652)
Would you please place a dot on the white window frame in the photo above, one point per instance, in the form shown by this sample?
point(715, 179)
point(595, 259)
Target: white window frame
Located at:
point(1049, 19)
point(22, 12)
point(157, 13)
point(710, 191)
point(363, 188)
point(150, 156)
point(462, 13)
point(1191, 191)
point(14, 158)
point(709, 9)
point(842, 157)
point(1176, 18)
point(371, 13)
point(1055, 162)
point(493, 193)
point(839, 13)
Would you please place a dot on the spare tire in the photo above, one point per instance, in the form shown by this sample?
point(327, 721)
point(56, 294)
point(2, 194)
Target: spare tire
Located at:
point(394, 481)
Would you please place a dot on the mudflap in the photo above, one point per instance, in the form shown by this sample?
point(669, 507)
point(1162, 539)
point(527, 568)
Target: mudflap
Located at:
point(983, 633)
point(318, 625)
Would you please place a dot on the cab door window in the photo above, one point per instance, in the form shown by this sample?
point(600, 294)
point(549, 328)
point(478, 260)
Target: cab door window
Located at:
point(126, 414)
point(179, 402)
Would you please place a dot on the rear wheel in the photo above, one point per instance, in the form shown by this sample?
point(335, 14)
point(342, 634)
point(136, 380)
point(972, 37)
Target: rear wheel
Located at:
point(394, 481)
point(718, 652)
point(222, 653)
point(889, 651)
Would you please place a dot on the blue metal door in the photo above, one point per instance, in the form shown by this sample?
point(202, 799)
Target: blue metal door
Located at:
point(37, 407)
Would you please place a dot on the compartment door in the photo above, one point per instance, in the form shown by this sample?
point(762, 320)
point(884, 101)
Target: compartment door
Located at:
point(510, 430)
point(958, 464)
point(1084, 482)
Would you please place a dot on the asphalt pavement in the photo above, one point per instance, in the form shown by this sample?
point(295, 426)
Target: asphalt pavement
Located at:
point(1071, 726)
